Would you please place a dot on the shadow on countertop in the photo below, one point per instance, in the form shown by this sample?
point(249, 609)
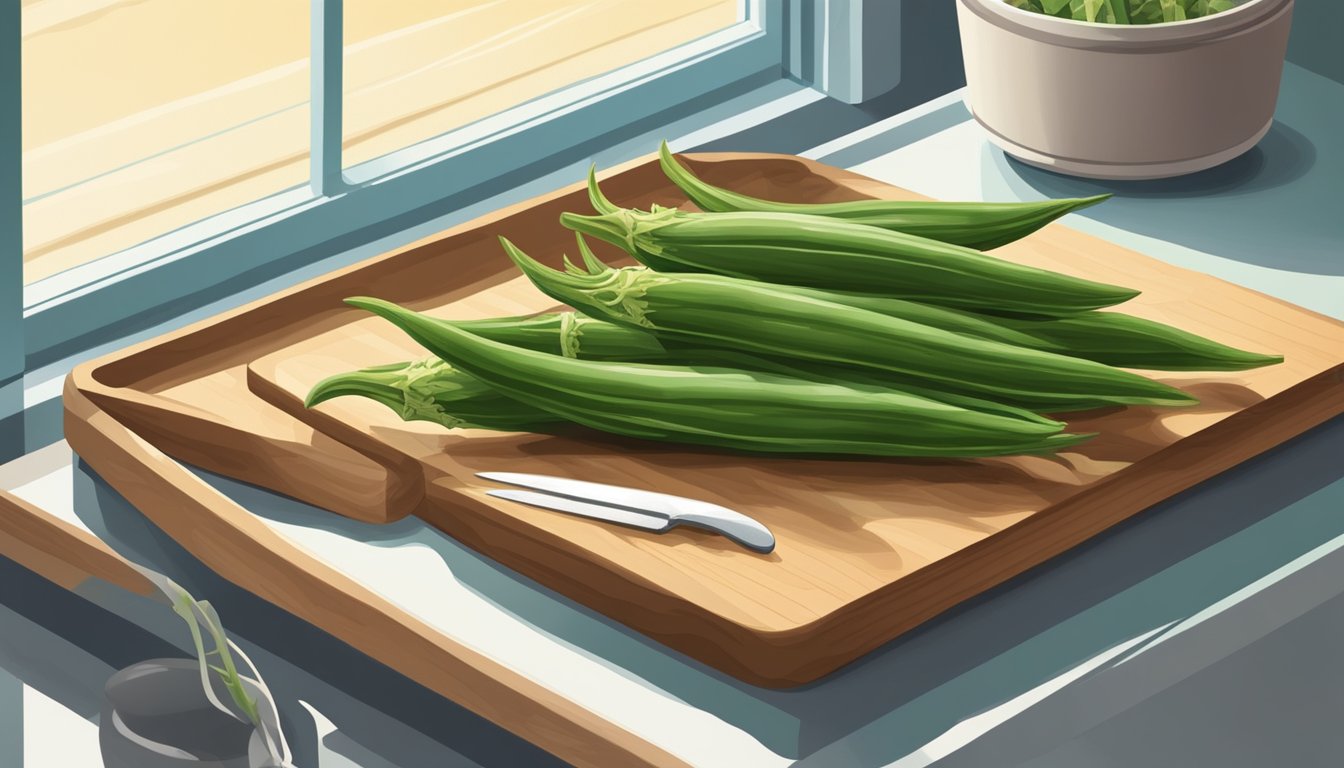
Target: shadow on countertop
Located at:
point(375, 708)
point(1283, 156)
point(909, 679)
point(1277, 206)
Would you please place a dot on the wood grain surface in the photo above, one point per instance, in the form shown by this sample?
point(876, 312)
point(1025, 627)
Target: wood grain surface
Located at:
point(241, 548)
point(60, 552)
point(867, 549)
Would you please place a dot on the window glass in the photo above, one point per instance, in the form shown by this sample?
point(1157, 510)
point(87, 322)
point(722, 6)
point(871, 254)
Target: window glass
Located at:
point(142, 116)
point(415, 69)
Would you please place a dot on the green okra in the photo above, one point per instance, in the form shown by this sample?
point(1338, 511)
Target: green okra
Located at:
point(724, 407)
point(432, 390)
point(753, 317)
point(1112, 338)
point(981, 226)
point(1126, 341)
point(833, 254)
point(946, 318)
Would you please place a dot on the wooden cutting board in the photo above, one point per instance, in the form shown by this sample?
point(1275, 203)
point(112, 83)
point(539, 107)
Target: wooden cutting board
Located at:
point(867, 549)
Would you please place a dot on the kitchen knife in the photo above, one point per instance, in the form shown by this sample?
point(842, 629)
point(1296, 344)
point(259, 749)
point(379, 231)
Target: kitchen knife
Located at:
point(648, 510)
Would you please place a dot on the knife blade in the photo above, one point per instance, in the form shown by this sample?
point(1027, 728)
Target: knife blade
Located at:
point(584, 509)
point(665, 509)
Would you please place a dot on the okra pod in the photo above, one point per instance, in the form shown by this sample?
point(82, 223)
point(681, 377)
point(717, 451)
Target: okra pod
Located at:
point(432, 390)
point(981, 226)
point(573, 335)
point(1112, 338)
point(755, 317)
point(1126, 341)
point(562, 333)
point(832, 254)
point(946, 318)
point(724, 407)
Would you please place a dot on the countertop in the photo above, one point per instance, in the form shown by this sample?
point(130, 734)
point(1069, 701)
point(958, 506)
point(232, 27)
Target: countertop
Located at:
point(1200, 632)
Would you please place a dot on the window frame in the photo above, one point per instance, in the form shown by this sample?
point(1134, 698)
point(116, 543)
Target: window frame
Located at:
point(11, 204)
point(842, 47)
point(341, 207)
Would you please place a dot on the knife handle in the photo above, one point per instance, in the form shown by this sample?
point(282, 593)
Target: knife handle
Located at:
point(737, 527)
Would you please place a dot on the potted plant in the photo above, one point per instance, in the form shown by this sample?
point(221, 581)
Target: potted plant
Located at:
point(197, 713)
point(1124, 89)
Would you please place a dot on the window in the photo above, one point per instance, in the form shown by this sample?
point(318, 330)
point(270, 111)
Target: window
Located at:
point(167, 144)
point(415, 70)
point(146, 116)
point(142, 117)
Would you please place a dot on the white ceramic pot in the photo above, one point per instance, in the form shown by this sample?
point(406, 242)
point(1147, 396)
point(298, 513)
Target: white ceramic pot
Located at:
point(1114, 101)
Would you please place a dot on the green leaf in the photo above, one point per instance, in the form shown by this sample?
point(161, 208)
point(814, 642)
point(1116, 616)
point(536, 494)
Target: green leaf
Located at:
point(1126, 11)
point(1148, 11)
point(1088, 10)
point(232, 682)
point(1195, 9)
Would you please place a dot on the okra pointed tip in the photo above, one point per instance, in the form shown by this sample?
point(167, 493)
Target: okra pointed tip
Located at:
point(377, 306)
point(598, 200)
point(1152, 392)
point(1240, 360)
point(665, 158)
point(335, 385)
point(321, 392)
point(1178, 398)
point(379, 384)
point(608, 227)
point(527, 264)
point(557, 284)
point(403, 318)
point(1121, 295)
point(1080, 203)
point(326, 389)
point(595, 265)
point(1247, 360)
point(1070, 439)
point(574, 221)
point(509, 248)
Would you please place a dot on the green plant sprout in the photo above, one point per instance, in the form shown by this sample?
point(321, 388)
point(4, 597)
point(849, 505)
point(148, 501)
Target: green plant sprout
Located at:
point(198, 614)
point(187, 607)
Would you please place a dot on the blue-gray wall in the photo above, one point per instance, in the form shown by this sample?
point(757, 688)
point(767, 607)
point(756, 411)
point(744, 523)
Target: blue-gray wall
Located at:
point(1318, 26)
